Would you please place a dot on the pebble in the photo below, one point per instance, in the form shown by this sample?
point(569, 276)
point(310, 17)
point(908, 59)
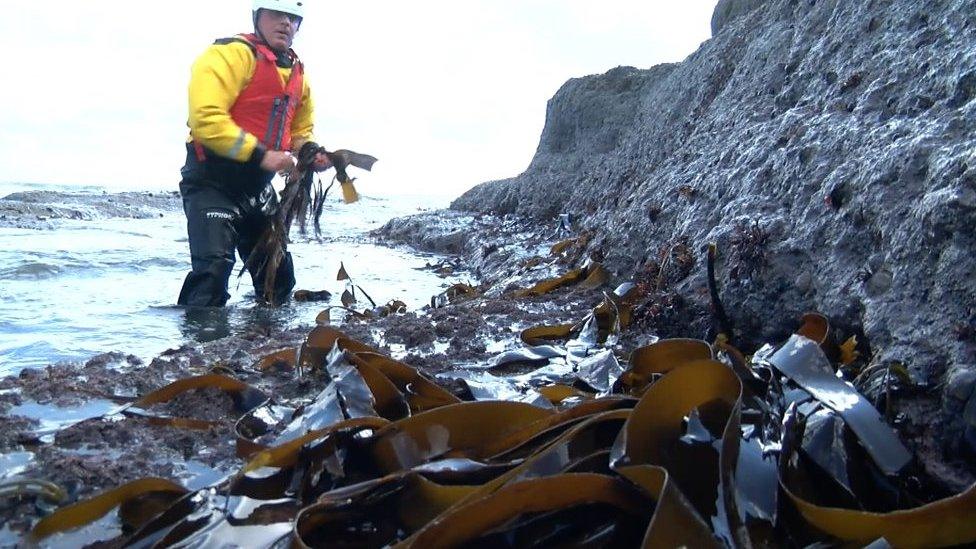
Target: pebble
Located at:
point(960, 384)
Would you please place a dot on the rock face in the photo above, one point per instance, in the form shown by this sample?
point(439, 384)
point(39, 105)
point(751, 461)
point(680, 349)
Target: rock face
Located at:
point(827, 147)
point(727, 10)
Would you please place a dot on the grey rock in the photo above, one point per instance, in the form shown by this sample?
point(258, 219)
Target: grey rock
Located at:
point(846, 129)
point(879, 283)
point(960, 385)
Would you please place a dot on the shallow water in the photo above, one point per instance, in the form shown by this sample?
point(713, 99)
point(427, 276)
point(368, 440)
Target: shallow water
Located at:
point(89, 287)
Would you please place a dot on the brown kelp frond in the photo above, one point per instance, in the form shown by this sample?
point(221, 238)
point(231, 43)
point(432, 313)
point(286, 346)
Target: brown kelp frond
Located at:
point(342, 159)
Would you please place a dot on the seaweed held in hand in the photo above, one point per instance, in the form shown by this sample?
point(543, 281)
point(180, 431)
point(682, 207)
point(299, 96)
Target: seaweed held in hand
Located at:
point(302, 199)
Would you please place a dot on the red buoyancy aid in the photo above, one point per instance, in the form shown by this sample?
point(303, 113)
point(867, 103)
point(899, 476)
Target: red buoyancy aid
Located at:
point(266, 107)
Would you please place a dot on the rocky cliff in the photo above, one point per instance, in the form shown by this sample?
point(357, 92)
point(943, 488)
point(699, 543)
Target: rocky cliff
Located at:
point(827, 147)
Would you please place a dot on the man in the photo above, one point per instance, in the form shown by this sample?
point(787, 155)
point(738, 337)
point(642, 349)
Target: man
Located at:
point(250, 107)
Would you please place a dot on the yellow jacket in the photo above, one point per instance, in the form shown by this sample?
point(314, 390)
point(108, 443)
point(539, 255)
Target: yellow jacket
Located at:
point(217, 78)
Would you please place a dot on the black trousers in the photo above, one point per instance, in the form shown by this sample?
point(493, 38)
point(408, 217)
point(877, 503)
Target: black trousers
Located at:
point(224, 217)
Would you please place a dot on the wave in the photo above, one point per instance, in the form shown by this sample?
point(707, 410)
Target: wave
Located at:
point(10, 188)
point(30, 270)
point(41, 270)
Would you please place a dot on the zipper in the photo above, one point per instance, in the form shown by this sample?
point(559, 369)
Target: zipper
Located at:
point(282, 122)
point(271, 121)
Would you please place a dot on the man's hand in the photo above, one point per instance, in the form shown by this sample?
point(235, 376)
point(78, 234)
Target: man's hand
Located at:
point(322, 162)
point(278, 161)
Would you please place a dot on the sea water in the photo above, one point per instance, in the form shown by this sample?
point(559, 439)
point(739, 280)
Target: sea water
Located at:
point(89, 287)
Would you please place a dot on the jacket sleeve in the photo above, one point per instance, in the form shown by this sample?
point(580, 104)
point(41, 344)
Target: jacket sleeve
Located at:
point(217, 78)
point(302, 126)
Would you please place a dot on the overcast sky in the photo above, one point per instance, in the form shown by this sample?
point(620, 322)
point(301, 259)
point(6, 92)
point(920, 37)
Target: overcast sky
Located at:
point(95, 92)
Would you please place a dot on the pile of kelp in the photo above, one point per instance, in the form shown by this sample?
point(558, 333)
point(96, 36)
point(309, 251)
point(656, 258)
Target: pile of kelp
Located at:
point(681, 443)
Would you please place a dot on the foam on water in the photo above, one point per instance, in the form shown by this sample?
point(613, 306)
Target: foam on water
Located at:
point(89, 287)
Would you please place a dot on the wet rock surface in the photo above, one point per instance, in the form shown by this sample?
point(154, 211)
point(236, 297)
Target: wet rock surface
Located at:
point(41, 209)
point(89, 456)
point(826, 147)
point(453, 345)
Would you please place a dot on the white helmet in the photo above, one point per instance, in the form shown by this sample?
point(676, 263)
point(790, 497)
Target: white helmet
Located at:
point(294, 7)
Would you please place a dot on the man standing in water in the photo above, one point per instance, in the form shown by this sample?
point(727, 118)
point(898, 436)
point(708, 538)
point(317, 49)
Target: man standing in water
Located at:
point(250, 107)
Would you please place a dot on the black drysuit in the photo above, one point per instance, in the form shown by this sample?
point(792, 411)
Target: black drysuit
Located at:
point(228, 204)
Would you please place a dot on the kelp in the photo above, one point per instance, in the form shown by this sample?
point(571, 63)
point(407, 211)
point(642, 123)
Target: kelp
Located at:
point(395, 306)
point(612, 512)
point(943, 523)
point(544, 335)
point(347, 396)
point(805, 363)
point(674, 522)
point(318, 344)
point(306, 466)
point(348, 297)
point(21, 487)
point(519, 442)
point(721, 324)
point(420, 393)
point(600, 371)
point(560, 394)
point(286, 455)
point(302, 199)
point(601, 327)
point(305, 296)
point(244, 396)
point(454, 294)
point(446, 432)
point(375, 513)
point(658, 359)
point(546, 286)
point(682, 444)
point(254, 429)
point(203, 518)
point(591, 276)
point(148, 492)
point(285, 359)
point(532, 356)
point(551, 456)
point(666, 430)
point(245, 399)
point(570, 250)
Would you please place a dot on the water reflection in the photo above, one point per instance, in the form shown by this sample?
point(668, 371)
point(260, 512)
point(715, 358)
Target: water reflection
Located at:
point(204, 324)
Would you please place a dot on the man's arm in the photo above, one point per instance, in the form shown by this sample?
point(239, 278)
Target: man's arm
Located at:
point(303, 126)
point(217, 79)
